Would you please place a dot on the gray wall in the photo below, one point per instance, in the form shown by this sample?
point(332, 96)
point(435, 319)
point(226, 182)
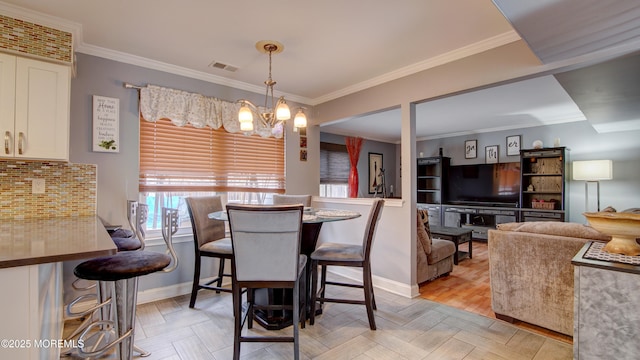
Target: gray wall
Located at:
point(584, 144)
point(118, 172)
point(388, 152)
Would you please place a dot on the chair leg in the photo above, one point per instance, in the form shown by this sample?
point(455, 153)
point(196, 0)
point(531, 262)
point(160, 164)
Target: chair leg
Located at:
point(196, 282)
point(373, 296)
point(250, 300)
point(368, 296)
point(323, 284)
point(303, 312)
point(220, 274)
point(237, 329)
point(314, 294)
point(296, 320)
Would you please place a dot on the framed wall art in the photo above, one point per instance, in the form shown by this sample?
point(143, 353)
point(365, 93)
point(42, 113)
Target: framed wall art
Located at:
point(106, 124)
point(375, 175)
point(491, 154)
point(513, 145)
point(471, 149)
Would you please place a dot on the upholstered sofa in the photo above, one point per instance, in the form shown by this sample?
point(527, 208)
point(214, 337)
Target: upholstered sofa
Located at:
point(531, 274)
point(435, 256)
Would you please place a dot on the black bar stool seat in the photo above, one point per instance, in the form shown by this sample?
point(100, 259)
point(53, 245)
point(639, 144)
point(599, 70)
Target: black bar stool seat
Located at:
point(123, 265)
point(121, 272)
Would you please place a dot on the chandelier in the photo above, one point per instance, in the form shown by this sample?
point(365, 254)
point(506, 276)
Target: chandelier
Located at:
point(274, 113)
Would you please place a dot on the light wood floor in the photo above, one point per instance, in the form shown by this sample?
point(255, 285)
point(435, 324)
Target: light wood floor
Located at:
point(467, 288)
point(407, 329)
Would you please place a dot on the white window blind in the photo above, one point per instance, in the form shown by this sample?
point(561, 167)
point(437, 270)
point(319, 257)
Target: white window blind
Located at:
point(174, 158)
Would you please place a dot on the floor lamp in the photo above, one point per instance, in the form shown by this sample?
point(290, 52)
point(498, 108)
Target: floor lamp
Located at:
point(592, 171)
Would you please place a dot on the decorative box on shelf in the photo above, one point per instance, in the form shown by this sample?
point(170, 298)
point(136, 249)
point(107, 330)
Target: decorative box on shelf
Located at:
point(545, 205)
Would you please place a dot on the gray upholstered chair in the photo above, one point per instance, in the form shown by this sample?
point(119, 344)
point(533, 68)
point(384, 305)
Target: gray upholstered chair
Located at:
point(266, 252)
point(434, 256)
point(335, 254)
point(209, 240)
point(305, 200)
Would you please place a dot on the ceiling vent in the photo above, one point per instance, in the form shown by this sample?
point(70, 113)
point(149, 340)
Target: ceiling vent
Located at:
point(219, 65)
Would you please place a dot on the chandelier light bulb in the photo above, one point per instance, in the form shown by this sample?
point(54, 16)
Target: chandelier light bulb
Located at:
point(300, 121)
point(245, 115)
point(246, 126)
point(282, 110)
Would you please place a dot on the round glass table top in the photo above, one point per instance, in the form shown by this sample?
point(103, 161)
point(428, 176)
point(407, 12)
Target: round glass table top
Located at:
point(310, 215)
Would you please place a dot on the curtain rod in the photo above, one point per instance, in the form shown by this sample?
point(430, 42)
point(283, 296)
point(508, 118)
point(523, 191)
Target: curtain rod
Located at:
point(131, 86)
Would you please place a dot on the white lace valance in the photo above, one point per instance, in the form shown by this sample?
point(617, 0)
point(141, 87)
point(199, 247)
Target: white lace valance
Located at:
point(183, 108)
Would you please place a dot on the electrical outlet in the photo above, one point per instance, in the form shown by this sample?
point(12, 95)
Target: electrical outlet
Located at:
point(37, 186)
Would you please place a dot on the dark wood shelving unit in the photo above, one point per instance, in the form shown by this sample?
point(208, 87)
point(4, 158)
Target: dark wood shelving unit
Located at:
point(543, 182)
point(432, 181)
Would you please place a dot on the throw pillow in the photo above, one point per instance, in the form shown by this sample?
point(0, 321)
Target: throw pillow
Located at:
point(424, 217)
point(423, 236)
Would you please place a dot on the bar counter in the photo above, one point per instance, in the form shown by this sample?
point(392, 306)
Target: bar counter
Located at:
point(31, 255)
point(41, 241)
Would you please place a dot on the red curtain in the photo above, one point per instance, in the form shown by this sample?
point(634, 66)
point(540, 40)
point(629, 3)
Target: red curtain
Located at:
point(354, 144)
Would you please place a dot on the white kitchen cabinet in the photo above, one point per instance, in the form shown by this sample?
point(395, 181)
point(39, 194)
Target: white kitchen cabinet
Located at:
point(31, 309)
point(34, 108)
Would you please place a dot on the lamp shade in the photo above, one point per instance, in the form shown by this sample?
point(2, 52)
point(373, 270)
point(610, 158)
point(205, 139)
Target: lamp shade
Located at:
point(245, 115)
point(282, 110)
point(593, 170)
point(300, 121)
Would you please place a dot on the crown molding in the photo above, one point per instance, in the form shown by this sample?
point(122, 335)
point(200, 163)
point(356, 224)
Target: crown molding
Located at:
point(457, 54)
point(80, 46)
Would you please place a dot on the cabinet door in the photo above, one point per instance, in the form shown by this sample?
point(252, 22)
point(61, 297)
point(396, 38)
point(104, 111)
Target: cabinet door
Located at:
point(7, 103)
point(42, 110)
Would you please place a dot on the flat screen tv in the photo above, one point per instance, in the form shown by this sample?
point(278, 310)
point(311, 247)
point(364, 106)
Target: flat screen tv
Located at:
point(485, 184)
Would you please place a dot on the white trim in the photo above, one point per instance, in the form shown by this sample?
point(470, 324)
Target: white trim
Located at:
point(457, 54)
point(394, 287)
point(80, 46)
point(385, 284)
point(171, 291)
point(355, 201)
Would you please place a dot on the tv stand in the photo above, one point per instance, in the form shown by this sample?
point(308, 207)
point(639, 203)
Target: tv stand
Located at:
point(479, 219)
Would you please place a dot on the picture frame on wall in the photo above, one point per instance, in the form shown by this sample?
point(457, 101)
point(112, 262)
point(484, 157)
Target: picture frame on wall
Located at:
point(491, 154)
point(375, 173)
point(513, 145)
point(471, 149)
point(106, 124)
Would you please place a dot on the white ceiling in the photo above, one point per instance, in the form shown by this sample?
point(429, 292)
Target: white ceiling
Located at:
point(332, 48)
point(534, 102)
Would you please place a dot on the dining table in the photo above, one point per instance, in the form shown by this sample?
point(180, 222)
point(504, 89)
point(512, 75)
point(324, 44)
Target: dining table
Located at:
point(312, 221)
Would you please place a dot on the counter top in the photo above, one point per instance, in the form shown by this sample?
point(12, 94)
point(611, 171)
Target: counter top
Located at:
point(39, 241)
point(615, 262)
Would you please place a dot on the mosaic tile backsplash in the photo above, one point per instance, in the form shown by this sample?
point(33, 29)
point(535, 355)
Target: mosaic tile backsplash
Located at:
point(70, 189)
point(33, 39)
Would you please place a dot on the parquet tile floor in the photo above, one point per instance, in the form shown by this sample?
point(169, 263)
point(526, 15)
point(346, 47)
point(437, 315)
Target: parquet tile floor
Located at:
point(407, 329)
point(467, 288)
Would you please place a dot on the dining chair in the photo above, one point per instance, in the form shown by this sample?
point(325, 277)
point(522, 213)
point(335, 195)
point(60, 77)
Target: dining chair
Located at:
point(209, 241)
point(279, 199)
point(338, 254)
point(266, 252)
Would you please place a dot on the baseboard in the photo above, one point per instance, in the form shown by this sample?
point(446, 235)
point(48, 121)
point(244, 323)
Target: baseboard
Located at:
point(378, 282)
point(167, 292)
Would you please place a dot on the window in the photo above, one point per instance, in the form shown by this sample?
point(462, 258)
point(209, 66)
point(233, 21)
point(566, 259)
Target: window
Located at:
point(176, 162)
point(334, 170)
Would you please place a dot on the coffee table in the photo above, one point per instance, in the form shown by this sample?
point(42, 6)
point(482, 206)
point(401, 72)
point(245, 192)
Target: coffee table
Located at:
point(458, 236)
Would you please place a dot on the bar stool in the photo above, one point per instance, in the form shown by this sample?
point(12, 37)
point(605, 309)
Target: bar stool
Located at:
point(125, 240)
point(118, 274)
